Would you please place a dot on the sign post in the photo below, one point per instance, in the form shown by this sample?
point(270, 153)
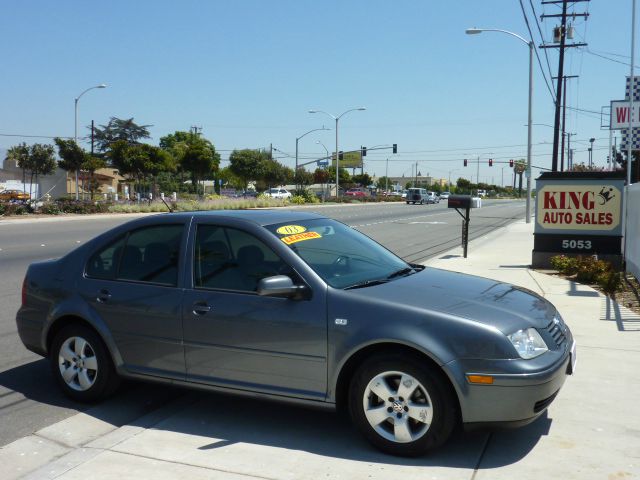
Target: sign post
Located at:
point(578, 213)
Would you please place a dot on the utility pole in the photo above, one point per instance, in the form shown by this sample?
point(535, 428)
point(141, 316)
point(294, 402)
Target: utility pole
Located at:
point(564, 116)
point(569, 152)
point(386, 177)
point(561, 32)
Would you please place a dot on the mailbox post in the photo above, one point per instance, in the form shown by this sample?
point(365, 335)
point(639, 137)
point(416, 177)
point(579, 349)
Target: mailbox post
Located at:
point(466, 203)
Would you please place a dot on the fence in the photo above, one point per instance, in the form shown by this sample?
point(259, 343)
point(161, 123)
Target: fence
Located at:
point(633, 230)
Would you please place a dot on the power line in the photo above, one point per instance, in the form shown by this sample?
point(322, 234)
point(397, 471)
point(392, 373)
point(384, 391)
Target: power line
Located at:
point(546, 55)
point(31, 136)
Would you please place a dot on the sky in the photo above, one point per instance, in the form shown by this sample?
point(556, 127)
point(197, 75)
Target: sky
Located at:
point(248, 71)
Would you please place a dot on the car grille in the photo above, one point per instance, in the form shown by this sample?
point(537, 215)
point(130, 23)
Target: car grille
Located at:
point(556, 330)
point(542, 404)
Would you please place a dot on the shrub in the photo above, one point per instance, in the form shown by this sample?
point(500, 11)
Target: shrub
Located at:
point(298, 200)
point(589, 270)
point(564, 264)
point(8, 209)
point(610, 281)
point(50, 208)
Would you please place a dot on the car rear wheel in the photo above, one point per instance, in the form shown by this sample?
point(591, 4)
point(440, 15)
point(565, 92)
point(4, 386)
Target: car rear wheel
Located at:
point(401, 406)
point(81, 364)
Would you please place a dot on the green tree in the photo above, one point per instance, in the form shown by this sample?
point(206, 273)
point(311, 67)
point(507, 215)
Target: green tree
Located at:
point(364, 180)
point(91, 164)
point(42, 160)
point(140, 162)
point(320, 175)
point(119, 130)
point(344, 178)
point(274, 174)
point(462, 184)
point(230, 179)
point(201, 159)
point(20, 155)
point(181, 143)
point(248, 165)
point(302, 177)
point(73, 157)
point(383, 183)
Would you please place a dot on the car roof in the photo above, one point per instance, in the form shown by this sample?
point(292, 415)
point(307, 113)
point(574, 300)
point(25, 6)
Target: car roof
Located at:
point(259, 217)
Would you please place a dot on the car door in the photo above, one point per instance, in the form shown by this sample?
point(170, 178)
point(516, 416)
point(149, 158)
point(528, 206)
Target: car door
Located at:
point(132, 285)
point(233, 337)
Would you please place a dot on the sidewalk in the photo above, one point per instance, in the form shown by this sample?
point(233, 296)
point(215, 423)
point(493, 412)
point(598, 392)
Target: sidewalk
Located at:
point(591, 431)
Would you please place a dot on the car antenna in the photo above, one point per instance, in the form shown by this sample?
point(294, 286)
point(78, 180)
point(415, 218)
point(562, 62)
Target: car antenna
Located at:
point(163, 201)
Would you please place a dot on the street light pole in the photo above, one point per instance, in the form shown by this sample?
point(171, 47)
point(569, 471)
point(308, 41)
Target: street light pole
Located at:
point(326, 150)
point(591, 140)
point(75, 123)
point(298, 138)
point(337, 118)
point(473, 31)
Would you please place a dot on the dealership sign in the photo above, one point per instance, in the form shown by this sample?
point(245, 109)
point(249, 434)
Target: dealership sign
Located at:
point(578, 213)
point(580, 208)
point(620, 114)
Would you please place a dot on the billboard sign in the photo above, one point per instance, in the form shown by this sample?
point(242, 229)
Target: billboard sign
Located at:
point(349, 159)
point(620, 114)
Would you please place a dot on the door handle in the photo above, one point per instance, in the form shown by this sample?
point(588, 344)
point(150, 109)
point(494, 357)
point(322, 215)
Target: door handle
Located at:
point(103, 296)
point(201, 308)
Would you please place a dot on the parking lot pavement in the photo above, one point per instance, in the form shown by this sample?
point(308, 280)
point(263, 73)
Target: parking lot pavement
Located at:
point(591, 431)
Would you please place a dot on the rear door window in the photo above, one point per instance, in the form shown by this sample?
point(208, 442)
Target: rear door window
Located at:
point(149, 254)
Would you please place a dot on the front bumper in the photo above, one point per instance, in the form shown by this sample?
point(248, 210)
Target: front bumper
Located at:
point(515, 398)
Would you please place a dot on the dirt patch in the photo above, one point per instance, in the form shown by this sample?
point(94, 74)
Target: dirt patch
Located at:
point(629, 294)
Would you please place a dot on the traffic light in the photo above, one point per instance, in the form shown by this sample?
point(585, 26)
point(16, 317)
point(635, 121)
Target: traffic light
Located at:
point(511, 163)
point(465, 162)
point(395, 148)
point(363, 150)
point(491, 162)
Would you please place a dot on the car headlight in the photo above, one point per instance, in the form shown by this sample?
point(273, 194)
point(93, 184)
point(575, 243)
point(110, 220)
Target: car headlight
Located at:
point(528, 343)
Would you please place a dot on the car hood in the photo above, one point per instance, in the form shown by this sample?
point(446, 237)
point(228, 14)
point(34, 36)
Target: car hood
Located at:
point(501, 305)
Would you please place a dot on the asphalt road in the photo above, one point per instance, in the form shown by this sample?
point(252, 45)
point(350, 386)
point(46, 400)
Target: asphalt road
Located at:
point(29, 399)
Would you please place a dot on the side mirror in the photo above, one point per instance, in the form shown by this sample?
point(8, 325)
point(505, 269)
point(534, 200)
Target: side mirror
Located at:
point(279, 286)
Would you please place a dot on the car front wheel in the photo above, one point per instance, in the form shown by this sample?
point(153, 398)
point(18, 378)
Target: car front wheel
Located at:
point(81, 364)
point(401, 406)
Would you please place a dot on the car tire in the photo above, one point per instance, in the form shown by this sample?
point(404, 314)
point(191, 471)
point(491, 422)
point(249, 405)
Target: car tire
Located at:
point(419, 411)
point(81, 364)
point(407, 203)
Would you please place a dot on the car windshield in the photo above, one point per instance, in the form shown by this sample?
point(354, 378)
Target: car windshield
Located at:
point(342, 256)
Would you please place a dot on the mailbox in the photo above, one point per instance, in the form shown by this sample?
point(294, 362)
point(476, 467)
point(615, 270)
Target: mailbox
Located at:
point(464, 201)
point(459, 201)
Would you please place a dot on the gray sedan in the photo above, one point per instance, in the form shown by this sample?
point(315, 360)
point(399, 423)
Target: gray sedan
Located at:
point(300, 308)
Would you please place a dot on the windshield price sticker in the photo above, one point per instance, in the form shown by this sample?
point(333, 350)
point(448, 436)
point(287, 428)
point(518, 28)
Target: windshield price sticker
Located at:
point(291, 229)
point(299, 237)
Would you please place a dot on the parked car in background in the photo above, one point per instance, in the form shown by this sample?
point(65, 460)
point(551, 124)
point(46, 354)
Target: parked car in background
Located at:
point(13, 196)
point(482, 193)
point(445, 195)
point(416, 195)
point(432, 197)
point(282, 193)
point(357, 192)
point(296, 307)
point(403, 194)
